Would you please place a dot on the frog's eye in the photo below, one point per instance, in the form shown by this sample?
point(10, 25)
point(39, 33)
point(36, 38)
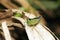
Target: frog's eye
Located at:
point(33, 21)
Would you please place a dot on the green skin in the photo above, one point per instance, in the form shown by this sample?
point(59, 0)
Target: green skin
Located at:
point(30, 22)
point(18, 14)
point(34, 21)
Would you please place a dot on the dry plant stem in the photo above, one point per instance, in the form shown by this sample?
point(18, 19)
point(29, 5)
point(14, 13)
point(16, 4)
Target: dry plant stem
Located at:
point(50, 31)
point(8, 4)
point(15, 24)
point(2, 33)
point(5, 14)
point(11, 28)
point(0, 28)
point(6, 31)
point(18, 25)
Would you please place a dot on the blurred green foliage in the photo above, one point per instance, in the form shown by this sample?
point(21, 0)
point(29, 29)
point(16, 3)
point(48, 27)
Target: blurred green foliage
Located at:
point(49, 4)
point(33, 4)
